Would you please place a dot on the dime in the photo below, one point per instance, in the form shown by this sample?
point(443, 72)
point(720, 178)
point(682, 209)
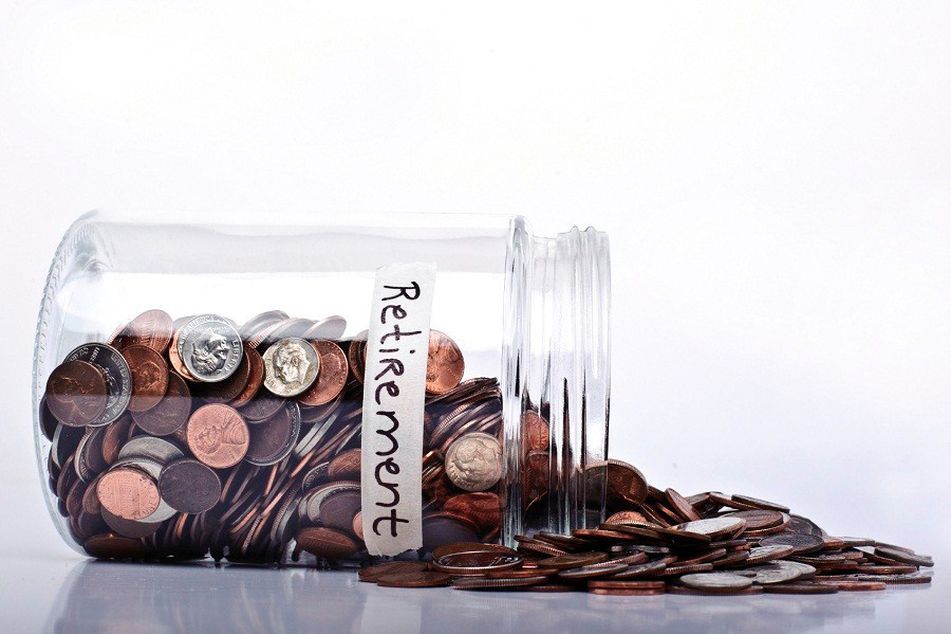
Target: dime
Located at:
point(273, 440)
point(593, 571)
point(210, 348)
point(714, 527)
point(474, 462)
point(648, 569)
point(217, 435)
point(764, 554)
point(495, 583)
point(444, 365)
point(331, 327)
point(76, 393)
point(331, 377)
point(128, 493)
point(153, 329)
point(156, 450)
point(778, 572)
point(171, 414)
point(117, 374)
point(189, 486)
point(758, 519)
point(716, 581)
point(326, 543)
point(290, 367)
point(476, 562)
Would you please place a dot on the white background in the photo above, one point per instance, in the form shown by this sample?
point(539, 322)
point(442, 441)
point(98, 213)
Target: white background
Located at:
point(775, 179)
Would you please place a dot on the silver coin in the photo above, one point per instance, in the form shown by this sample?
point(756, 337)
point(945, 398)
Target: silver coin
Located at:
point(714, 581)
point(118, 378)
point(474, 462)
point(778, 572)
point(290, 366)
point(713, 526)
point(310, 504)
point(151, 448)
point(331, 327)
point(210, 348)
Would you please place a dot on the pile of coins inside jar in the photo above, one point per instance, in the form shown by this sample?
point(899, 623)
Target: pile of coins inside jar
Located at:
point(185, 438)
point(661, 542)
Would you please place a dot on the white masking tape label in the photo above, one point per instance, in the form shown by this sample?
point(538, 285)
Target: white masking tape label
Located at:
point(394, 393)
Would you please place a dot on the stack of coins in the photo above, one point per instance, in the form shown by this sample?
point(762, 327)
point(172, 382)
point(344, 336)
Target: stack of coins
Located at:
point(184, 438)
point(660, 542)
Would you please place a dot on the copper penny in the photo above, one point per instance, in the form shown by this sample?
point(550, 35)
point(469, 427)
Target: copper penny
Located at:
point(326, 542)
point(128, 493)
point(414, 579)
point(573, 560)
point(345, 466)
point(484, 508)
point(680, 504)
point(217, 435)
point(149, 377)
point(152, 329)
point(800, 588)
point(229, 389)
point(624, 483)
point(255, 377)
point(171, 414)
point(535, 432)
point(114, 437)
point(444, 365)
point(111, 546)
point(372, 573)
point(357, 355)
point(496, 583)
point(331, 377)
point(76, 393)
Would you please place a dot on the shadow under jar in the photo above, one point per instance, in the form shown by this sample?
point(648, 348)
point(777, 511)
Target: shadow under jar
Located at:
point(199, 388)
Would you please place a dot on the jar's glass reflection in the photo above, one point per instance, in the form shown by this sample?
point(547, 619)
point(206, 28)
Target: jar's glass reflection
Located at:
point(126, 597)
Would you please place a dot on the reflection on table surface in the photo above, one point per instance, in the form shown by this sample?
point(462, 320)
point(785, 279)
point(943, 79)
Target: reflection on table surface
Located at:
point(116, 597)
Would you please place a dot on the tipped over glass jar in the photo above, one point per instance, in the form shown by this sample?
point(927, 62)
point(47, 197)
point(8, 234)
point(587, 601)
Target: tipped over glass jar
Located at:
point(315, 394)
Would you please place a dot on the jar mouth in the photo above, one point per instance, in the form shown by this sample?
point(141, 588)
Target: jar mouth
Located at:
point(556, 363)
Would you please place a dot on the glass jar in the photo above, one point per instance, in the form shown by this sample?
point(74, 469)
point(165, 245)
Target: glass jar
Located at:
point(209, 388)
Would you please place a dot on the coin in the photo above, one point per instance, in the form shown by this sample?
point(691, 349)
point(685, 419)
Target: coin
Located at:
point(149, 377)
point(573, 560)
point(495, 583)
point(111, 546)
point(535, 432)
point(802, 544)
point(338, 510)
point(290, 367)
point(593, 571)
point(801, 588)
point(273, 439)
point(764, 554)
point(153, 329)
point(476, 562)
point(230, 388)
point(484, 508)
point(716, 581)
point(904, 556)
point(714, 527)
point(346, 465)
point(444, 365)
point(128, 493)
point(156, 450)
point(779, 572)
point(372, 573)
point(171, 413)
point(76, 393)
point(414, 579)
point(331, 376)
point(622, 482)
point(326, 542)
point(255, 377)
point(189, 486)
point(210, 348)
point(474, 462)
point(217, 435)
point(117, 374)
point(760, 504)
point(681, 505)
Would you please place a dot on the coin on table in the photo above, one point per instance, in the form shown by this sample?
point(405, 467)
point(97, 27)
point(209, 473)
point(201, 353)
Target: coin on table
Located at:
point(414, 579)
point(331, 376)
point(290, 366)
point(444, 364)
point(496, 583)
point(802, 543)
point(763, 554)
point(778, 572)
point(117, 373)
point(149, 377)
point(153, 329)
point(372, 573)
point(326, 542)
point(621, 482)
point(210, 348)
point(76, 393)
point(128, 493)
point(189, 486)
point(714, 527)
point(217, 435)
point(474, 462)
point(716, 581)
point(171, 414)
point(573, 560)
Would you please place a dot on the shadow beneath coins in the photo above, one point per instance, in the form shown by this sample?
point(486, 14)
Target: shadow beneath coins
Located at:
point(205, 597)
